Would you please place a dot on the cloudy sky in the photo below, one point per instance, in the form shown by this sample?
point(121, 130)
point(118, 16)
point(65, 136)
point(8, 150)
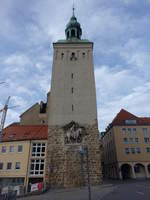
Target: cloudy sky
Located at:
point(120, 30)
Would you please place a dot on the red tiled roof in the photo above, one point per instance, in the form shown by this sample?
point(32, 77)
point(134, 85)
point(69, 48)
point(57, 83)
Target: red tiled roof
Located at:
point(125, 115)
point(16, 132)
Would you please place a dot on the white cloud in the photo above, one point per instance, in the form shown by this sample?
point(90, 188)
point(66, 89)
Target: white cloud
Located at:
point(120, 35)
point(120, 89)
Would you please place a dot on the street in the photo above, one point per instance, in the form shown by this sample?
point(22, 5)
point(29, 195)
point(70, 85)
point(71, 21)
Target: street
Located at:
point(110, 190)
point(130, 190)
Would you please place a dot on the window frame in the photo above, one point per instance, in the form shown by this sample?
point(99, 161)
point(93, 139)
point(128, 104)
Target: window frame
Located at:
point(11, 146)
point(16, 165)
point(1, 166)
point(10, 165)
point(37, 167)
point(20, 145)
point(3, 152)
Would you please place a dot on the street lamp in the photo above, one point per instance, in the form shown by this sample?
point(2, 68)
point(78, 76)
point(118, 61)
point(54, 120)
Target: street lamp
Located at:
point(85, 152)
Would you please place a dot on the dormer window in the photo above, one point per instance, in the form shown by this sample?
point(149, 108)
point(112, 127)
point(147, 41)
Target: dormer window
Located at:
point(11, 136)
point(25, 135)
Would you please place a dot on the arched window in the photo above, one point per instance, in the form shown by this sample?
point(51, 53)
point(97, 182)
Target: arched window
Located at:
point(73, 56)
point(68, 34)
point(72, 33)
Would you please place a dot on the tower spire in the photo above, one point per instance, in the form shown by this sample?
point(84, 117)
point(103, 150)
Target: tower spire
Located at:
point(73, 9)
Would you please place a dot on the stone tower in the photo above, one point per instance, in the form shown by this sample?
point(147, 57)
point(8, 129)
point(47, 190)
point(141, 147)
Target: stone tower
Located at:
point(72, 117)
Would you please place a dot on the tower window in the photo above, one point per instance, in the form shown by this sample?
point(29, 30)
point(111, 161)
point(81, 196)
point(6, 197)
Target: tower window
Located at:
point(72, 33)
point(62, 55)
point(72, 75)
point(72, 107)
point(83, 54)
point(68, 34)
point(73, 56)
point(72, 90)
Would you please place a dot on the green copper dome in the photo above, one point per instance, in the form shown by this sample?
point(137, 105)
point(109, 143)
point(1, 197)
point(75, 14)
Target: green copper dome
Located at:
point(73, 29)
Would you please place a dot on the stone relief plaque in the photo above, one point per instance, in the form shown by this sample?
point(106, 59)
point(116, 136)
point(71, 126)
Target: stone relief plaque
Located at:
point(73, 133)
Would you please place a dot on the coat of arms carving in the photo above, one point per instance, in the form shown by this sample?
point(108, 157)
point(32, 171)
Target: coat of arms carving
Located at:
point(73, 133)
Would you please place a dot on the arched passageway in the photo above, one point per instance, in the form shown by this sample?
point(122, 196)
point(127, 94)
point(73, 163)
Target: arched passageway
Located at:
point(148, 168)
point(139, 170)
point(126, 171)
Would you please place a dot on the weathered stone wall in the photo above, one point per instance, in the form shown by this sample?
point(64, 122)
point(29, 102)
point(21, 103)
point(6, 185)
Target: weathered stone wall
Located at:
point(63, 166)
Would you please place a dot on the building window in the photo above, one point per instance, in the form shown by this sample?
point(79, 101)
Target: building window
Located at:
point(133, 150)
point(1, 166)
point(137, 140)
point(131, 140)
point(148, 149)
point(17, 165)
point(37, 167)
point(144, 131)
point(146, 140)
point(130, 121)
point(124, 130)
point(127, 150)
point(125, 140)
point(20, 148)
point(129, 130)
point(11, 149)
point(3, 149)
point(134, 130)
point(9, 165)
point(38, 149)
point(138, 150)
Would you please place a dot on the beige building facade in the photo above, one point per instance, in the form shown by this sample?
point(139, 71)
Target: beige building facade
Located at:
point(23, 155)
point(126, 147)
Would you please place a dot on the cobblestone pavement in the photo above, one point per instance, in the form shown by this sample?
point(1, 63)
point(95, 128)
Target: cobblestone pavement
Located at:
point(98, 193)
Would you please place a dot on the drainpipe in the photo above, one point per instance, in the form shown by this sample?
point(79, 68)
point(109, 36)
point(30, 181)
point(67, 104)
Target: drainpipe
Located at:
point(26, 185)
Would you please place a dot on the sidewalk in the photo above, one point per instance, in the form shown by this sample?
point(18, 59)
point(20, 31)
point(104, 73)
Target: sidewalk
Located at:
point(98, 193)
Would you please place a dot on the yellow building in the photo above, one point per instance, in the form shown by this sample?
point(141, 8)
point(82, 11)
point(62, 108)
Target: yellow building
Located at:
point(126, 147)
point(22, 155)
